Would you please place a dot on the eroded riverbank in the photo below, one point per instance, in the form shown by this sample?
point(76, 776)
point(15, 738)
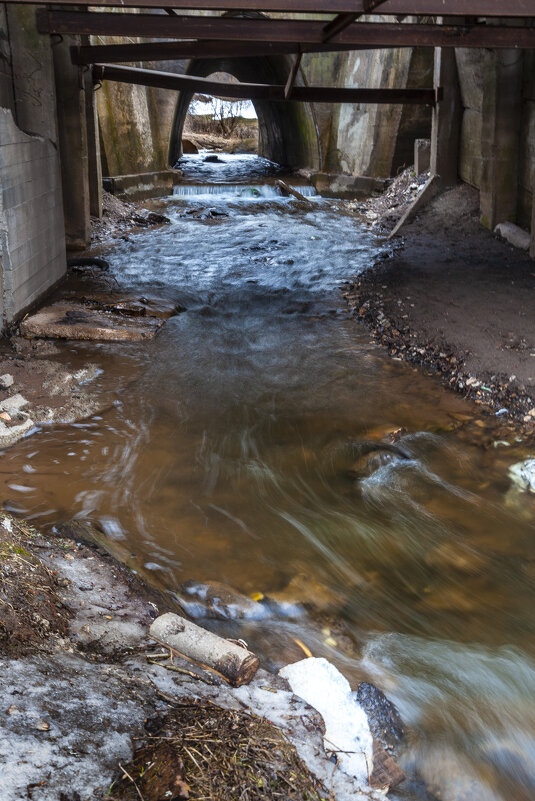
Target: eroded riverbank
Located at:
point(453, 298)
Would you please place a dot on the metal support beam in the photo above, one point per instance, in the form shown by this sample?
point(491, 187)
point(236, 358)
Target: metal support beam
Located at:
point(281, 30)
point(343, 21)
point(259, 91)
point(475, 8)
point(292, 76)
point(171, 51)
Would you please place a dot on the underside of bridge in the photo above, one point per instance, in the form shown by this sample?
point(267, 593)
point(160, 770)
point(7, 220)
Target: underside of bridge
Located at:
point(331, 83)
point(287, 132)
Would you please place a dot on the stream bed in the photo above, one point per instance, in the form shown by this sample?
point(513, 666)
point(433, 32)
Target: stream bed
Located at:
point(222, 457)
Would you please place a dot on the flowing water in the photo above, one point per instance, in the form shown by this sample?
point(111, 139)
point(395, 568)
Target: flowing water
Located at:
point(222, 457)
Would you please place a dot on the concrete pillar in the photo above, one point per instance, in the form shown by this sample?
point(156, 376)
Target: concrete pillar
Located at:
point(73, 151)
point(447, 115)
point(532, 229)
point(501, 113)
point(94, 164)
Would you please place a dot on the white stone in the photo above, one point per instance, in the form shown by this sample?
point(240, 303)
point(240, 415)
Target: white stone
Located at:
point(6, 381)
point(515, 235)
point(522, 474)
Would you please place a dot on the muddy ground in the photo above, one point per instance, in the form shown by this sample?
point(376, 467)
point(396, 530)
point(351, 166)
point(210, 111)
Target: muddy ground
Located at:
point(451, 297)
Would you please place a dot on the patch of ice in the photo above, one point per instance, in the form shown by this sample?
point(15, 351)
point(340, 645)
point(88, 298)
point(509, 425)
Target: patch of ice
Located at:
point(347, 732)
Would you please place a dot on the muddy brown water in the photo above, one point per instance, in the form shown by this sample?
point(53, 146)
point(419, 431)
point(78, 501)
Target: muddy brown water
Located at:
point(219, 459)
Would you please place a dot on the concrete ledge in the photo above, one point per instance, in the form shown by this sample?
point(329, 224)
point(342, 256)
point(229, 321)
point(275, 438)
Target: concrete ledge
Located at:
point(143, 185)
point(346, 187)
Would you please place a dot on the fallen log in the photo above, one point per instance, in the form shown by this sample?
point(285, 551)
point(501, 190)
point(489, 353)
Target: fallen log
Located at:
point(234, 663)
point(289, 190)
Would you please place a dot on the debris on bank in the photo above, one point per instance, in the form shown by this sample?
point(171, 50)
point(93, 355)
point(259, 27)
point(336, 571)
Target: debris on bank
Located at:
point(94, 708)
point(35, 390)
point(382, 212)
point(119, 217)
point(454, 300)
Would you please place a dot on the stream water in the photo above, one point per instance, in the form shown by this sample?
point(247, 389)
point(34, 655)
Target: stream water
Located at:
point(222, 458)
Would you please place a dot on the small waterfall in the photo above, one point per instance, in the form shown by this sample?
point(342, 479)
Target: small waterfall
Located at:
point(237, 191)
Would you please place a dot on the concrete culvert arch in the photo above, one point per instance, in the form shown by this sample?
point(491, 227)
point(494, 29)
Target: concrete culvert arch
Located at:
point(287, 132)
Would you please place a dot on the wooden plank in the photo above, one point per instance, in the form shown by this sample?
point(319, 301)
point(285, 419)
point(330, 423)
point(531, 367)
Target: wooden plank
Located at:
point(280, 30)
point(292, 76)
point(258, 91)
point(173, 51)
point(475, 8)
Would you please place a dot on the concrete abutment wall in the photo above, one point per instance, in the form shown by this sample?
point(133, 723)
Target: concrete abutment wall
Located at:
point(32, 232)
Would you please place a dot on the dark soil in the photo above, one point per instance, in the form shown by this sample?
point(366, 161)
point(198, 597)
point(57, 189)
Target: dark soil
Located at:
point(454, 299)
point(30, 607)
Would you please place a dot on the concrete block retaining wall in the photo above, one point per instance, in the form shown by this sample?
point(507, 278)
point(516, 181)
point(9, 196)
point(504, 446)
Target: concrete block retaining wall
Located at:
point(32, 237)
point(474, 67)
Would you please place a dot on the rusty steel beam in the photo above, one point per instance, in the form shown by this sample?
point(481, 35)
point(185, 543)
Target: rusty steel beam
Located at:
point(343, 21)
point(175, 51)
point(475, 8)
point(258, 91)
point(279, 30)
point(288, 89)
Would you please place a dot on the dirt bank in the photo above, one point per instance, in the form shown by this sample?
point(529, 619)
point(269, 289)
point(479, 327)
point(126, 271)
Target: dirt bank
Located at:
point(120, 217)
point(93, 709)
point(451, 297)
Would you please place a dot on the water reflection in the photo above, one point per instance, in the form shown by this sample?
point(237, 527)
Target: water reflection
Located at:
point(214, 461)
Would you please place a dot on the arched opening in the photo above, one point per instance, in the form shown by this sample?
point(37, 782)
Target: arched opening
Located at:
point(221, 123)
point(287, 132)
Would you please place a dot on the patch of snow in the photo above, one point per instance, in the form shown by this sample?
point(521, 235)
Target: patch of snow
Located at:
point(92, 719)
point(347, 732)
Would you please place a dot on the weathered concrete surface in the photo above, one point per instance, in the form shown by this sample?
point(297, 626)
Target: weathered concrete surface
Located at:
point(32, 248)
point(502, 113)
point(71, 320)
point(422, 155)
point(446, 127)
point(143, 185)
point(135, 122)
point(73, 145)
point(346, 186)
point(32, 71)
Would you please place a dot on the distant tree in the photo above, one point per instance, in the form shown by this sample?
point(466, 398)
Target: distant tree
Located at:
point(225, 114)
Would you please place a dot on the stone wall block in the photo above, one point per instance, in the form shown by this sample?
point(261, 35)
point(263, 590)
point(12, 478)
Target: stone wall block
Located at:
point(32, 249)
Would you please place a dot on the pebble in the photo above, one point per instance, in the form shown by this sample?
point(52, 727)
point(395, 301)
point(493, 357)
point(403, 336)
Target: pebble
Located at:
point(6, 381)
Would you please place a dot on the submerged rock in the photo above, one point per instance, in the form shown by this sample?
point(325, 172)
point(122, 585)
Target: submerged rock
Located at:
point(383, 717)
point(522, 474)
point(213, 599)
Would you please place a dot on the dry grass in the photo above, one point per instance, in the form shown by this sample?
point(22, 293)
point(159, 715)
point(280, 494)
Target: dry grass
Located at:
point(203, 752)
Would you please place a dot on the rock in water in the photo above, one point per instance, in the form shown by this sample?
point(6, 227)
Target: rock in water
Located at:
point(213, 599)
point(522, 474)
point(383, 717)
point(213, 160)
